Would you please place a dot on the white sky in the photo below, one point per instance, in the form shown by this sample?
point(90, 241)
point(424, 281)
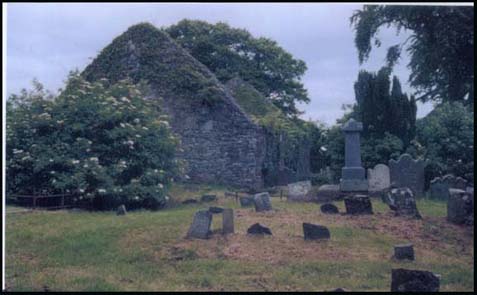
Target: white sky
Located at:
point(46, 41)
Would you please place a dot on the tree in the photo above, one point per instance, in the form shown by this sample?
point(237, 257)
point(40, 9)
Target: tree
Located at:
point(229, 52)
point(441, 46)
point(383, 107)
point(105, 143)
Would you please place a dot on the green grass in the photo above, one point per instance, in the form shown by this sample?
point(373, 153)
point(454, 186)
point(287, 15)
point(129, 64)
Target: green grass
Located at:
point(83, 251)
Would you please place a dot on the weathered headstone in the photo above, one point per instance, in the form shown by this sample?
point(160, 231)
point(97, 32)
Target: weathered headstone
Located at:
point(208, 198)
point(257, 229)
point(299, 191)
point(358, 204)
point(407, 172)
point(329, 209)
point(459, 183)
point(353, 174)
point(404, 251)
point(402, 201)
point(216, 210)
point(121, 210)
point(407, 280)
point(246, 201)
point(315, 232)
point(379, 178)
point(460, 207)
point(327, 193)
point(262, 202)
point(200, 226)
point(439, 189)
point(228, 221)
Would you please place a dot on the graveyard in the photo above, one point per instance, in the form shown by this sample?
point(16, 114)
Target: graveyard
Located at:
point(179, 159)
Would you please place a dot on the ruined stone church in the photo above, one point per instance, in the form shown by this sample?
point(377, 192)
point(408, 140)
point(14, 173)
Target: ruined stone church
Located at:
point(221, 143)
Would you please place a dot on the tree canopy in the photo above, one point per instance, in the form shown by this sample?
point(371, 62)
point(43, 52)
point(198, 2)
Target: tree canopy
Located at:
point(230, 52)
point(441, 46)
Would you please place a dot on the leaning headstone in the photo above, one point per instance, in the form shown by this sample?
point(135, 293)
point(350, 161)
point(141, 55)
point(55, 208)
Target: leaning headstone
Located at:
point(327, 193)
point(378, 178)
point(353, 174)
point(404, 251)
point(358, 204)
point(299, 191)
point(402, 201)
point(121, 210)
point(228, 221)
point(329, 209)
point(258, 229)
point(315, 232)
point(208, 198)
point(262, 202)
point(460, 207)
point(246, 201)
point(407, 280)
point(200, 226)
point(407, 172)
point(216, 210)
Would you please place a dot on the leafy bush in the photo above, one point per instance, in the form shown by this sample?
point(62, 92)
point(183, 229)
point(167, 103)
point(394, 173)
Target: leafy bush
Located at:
point(105, 143)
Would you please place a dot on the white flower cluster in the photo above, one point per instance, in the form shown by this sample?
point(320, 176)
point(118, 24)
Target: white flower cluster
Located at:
point(15, 151)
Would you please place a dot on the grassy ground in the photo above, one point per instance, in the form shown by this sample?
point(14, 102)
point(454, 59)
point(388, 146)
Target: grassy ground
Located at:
point(82, 251)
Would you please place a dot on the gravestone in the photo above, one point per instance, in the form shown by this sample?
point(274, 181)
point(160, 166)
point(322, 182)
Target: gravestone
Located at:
point(257, 229)
point(262, 202)
point(402, 201)
point(358, 204)
point(460, 207)
point(299, 191)
point(208, 198)
point(315, 232)
point(228, 221)
point(378, 178)
point(121, 210)
point(200, 226)
point(407, 172)
point(327, 193)
point(439, 189)
point(329, 208)
point(352, 174)
point(404, 251)
point(407, 280)
point(246, 201)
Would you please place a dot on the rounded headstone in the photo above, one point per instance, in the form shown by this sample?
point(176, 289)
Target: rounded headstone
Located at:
point(121, 210)
point(329, 208)
point(258, 229)
point(315, 232)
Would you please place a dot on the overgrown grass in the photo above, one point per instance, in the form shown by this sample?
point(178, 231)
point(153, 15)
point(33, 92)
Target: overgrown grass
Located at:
point(99, 251)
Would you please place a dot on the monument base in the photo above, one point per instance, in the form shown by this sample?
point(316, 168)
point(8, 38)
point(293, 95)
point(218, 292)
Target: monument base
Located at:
point(353, 185)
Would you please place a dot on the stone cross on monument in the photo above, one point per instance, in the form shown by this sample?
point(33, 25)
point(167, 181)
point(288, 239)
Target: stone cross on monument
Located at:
point(352, 174)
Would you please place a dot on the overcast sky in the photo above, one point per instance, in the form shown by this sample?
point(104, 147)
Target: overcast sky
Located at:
point(46, 41)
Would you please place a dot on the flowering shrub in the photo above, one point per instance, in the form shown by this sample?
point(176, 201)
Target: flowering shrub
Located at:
point(105, 142)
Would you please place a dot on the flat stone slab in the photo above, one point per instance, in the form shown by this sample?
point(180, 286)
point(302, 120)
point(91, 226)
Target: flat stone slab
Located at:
point(121, 210)
point(404, 251)
point(315, 232)
point(262, 202)
point(208, 198)
point(246, 201)
point(358, 204)
point(407, 280)
point(329, 208)
point(258, 229)
point(402, 201)
point(200, 227)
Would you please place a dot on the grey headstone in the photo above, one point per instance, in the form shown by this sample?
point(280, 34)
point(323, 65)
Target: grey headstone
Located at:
point(353, 174)
point(257, 229)
point(407, 280)
point(262, 202)
point(246, 201)
point(200, 226)
point(216, 210)
point(327, 193)
point(329, 209)
point(404, 251)
point(402, 201)
point(358, 204)
point(299, 191)
point(315, 232)
point(379, 178)
point(460, 207)
point(439, 189)
point(228, 221)
point(407, 172)
point(121, 210)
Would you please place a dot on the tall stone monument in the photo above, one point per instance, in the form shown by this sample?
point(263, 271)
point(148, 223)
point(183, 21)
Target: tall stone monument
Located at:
point(353, 174)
